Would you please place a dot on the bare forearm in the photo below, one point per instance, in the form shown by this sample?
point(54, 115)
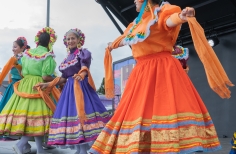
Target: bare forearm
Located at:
point(110, 45)
point(83, 73)
point(174, 20)
point(61, 81)
point(47, 78)
point(46, 84)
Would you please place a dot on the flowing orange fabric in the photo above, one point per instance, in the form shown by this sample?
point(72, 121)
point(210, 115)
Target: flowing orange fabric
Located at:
point(90, 79)
point(109, 80)
point(45, 94)
point(79, 97)
point(22, 94)
point(7, 68)
point(56, 93)
point(160, 112)
point(41, 94)
point(216, 76)
point(52, 89)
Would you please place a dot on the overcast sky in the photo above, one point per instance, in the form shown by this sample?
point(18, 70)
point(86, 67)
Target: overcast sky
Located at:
point(27, 17)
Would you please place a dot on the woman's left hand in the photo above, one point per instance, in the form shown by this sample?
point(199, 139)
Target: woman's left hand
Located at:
point(78, 77)
point(41, 85)
point(187, 12)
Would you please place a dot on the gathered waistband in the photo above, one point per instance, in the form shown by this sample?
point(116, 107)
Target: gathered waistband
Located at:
point(154, 56)
point(32, 76)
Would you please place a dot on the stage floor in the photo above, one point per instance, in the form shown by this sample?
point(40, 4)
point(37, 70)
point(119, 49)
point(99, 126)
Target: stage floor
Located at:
point(6, 148)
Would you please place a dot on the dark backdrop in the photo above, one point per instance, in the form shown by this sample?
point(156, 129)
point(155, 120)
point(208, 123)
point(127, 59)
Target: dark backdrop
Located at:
point(222, 111)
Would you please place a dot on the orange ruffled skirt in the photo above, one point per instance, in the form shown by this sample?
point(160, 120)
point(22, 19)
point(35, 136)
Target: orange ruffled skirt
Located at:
point(159, 112)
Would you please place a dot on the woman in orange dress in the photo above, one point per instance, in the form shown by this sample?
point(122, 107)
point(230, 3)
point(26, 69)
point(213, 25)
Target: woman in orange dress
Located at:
point(160, 110)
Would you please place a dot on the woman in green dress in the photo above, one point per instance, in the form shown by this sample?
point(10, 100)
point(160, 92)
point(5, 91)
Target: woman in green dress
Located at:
point(24, 115)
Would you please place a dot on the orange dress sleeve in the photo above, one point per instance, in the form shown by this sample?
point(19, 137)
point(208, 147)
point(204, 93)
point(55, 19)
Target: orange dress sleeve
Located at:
point(166, 11)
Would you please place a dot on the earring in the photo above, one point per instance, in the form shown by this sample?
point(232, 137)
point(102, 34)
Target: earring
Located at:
point(67, 49)
point(78, 46)
point(147, 9)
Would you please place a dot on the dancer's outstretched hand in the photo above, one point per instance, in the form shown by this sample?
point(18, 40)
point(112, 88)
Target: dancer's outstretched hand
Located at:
point(187, 12)
point(41, 85)
point(109, 46)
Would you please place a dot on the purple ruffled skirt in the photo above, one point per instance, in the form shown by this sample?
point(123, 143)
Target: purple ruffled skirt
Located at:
point(65, 128)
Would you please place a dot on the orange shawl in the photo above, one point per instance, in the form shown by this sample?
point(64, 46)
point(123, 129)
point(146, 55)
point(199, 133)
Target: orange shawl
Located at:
point(42, 94)
point(216, 76)
point(109, 80)
point(79, 97)
point(11, 62)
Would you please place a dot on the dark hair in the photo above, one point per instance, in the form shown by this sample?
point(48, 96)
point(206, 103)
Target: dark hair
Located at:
point(44, 39)
point(27, 47)
point(157, 1)
point(21, 44)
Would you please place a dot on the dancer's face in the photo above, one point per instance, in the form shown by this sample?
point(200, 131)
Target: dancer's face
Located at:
point(16, 48)
point(72, 40)
point(138, 4)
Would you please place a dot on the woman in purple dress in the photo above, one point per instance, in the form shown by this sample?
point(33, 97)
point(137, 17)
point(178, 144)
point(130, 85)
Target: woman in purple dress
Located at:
point(68, 128)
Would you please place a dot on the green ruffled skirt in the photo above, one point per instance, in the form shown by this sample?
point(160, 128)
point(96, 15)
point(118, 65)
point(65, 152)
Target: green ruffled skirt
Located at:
point(25, 116)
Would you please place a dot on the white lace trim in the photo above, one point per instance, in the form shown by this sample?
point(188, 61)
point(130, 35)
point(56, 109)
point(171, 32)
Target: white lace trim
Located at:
point(73, 62)
point(136, 39)
point(38, 58)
